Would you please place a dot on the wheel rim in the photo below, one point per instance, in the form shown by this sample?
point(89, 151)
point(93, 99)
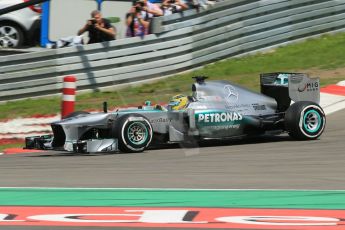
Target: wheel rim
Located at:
point(137, 133)
point(9, 36)
point(312, 121)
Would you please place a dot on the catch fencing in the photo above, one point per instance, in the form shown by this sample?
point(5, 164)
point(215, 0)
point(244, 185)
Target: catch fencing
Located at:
point(180, 42)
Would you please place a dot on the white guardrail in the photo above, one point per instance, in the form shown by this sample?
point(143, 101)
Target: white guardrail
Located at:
point(180, 42)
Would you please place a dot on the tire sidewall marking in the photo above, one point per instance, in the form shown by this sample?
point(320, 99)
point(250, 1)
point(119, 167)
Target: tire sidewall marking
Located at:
point(123, 133)
point(321, 115)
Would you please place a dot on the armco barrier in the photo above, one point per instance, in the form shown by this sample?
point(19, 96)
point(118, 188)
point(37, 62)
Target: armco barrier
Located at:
point(180, 42)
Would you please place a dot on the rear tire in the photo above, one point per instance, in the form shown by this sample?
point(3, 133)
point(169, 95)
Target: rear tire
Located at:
point(134, 133)
point(305, 120)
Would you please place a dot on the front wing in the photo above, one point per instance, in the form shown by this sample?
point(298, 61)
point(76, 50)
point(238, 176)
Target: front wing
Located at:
point(84, 146)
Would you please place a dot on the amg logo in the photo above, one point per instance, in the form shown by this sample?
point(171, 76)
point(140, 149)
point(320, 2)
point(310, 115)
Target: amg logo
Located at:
point(311, 86)
point(219, 117)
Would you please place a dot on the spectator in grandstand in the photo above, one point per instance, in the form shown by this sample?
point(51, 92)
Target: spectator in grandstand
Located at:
point(151, 9)
point(100, 29)
point(190, 3)
point(139, 17)
point(200, 3)
point(173, 6)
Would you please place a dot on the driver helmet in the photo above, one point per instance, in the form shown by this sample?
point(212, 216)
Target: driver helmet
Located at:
point(178, 102)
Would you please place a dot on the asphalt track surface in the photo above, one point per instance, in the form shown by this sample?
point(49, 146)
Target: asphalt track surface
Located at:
point(264, 163)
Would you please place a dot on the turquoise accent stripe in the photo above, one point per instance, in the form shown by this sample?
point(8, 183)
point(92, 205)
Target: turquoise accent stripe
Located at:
point(318, 118)
point(291, 199)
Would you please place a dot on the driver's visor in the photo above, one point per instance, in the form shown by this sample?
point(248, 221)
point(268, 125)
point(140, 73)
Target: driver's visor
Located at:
point(174, 103)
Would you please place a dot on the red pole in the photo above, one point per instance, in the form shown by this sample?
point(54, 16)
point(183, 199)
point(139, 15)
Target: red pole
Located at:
point(68, 95)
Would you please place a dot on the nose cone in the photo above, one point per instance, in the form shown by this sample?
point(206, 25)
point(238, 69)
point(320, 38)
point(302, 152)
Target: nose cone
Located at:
point(85, 119)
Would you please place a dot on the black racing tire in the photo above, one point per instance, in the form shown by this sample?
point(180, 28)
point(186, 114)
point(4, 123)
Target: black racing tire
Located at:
point(76, 113)
point(134, 133)
point(11, 35)
point(305, 120)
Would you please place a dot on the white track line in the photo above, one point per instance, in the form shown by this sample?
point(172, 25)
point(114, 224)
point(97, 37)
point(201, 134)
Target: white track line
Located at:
point(332, 103)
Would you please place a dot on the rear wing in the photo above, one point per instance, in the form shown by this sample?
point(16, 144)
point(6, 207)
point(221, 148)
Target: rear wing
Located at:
point(287, 87)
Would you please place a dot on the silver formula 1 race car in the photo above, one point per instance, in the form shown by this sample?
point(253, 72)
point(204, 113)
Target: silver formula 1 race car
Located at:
point(288, 102)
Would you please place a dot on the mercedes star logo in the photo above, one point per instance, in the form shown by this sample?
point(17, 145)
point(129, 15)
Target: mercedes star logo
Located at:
point(231, 95)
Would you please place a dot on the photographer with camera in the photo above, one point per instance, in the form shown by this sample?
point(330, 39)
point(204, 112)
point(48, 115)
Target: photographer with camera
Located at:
point(100, 29)
point(173, 6)
point(139, 17)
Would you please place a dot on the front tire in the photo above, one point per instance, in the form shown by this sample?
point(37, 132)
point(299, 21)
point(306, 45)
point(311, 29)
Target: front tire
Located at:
point(305, 120)
point(134, 133)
